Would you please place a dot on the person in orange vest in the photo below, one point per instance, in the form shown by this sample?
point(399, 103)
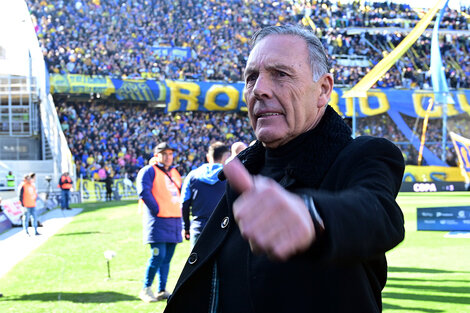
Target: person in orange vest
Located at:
point(28, 196)
point(65, 183)
point(158, 187)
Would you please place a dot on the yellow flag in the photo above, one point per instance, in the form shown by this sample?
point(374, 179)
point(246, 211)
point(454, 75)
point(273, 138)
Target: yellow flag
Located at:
point(308, 21)
point(360, 90)
point(423, 134)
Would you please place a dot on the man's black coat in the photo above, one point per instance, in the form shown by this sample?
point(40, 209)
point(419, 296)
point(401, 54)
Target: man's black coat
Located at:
point(354, 184)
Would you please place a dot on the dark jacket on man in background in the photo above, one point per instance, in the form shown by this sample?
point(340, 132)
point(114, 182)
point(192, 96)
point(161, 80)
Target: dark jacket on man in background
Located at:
point(201, 192)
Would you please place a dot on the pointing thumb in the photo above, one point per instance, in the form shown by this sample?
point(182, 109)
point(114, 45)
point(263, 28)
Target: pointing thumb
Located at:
point(237, 176)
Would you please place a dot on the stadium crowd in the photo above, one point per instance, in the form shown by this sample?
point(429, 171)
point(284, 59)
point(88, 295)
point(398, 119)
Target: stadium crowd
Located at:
point(138, 38)
point(123, 38)
point(118, 139)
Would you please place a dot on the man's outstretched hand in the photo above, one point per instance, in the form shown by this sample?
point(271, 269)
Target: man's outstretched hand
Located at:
point(273, 220)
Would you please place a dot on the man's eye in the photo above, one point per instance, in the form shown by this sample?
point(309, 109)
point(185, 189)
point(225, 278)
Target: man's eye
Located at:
point(251, 77)
point(281, 73)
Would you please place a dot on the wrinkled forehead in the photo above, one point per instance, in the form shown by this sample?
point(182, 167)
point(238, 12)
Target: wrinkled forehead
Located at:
point(277, 48)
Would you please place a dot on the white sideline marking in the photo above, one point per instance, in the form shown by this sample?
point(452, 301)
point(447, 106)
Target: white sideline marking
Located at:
point(15, 245)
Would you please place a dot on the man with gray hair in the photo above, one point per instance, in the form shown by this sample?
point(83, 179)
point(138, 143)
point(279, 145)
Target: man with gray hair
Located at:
point(309, 212)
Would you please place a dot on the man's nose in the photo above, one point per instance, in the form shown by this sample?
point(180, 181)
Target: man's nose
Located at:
point(263, 87)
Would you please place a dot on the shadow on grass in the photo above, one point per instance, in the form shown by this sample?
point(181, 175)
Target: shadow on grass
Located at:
point(95, 206)
point(387, 306)
point(398, 279)
point(77, 297)
point(394, 269)
point(430, 298)
point(448, 289)
point(80, 233)
point(446, 294)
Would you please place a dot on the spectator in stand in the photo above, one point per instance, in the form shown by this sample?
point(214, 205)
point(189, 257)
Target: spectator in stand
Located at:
point(28, 196)
point(126, 38)
point(129, 143)
point(65, 184)
point(202, 190)
point(88, 37)
point(134, 128)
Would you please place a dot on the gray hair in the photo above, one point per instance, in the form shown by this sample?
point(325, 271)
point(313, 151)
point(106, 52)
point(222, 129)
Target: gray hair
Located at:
point(318, 59)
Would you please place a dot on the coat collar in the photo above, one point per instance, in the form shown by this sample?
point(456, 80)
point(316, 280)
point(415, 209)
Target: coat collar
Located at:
point(322, 146)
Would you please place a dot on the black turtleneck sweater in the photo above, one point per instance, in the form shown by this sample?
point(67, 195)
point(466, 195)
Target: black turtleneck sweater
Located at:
point(277, 160)
point(236, 249)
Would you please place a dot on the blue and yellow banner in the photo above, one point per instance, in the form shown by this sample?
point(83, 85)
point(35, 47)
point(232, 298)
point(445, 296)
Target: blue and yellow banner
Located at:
point(139, 90)
point(409, 102)
point(462, 149)
point(122, 89)
point(204, 96)
point(219, 96)
point(212, 96)
point(81, 84)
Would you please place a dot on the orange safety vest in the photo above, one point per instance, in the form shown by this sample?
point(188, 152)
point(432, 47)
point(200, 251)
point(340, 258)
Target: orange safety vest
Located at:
point(65, 182)
point(29, 195)
point(166, 193)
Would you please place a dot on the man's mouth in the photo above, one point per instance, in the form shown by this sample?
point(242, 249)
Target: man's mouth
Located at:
point(267, 114)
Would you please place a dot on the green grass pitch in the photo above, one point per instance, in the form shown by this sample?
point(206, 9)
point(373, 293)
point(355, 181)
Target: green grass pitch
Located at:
point(427, 272)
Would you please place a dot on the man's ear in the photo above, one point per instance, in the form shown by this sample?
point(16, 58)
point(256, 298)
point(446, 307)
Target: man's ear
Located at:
point(326, 87)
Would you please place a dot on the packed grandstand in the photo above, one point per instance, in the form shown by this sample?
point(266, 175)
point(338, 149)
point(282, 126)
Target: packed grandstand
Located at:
point(208, 41)
point(121, 38)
